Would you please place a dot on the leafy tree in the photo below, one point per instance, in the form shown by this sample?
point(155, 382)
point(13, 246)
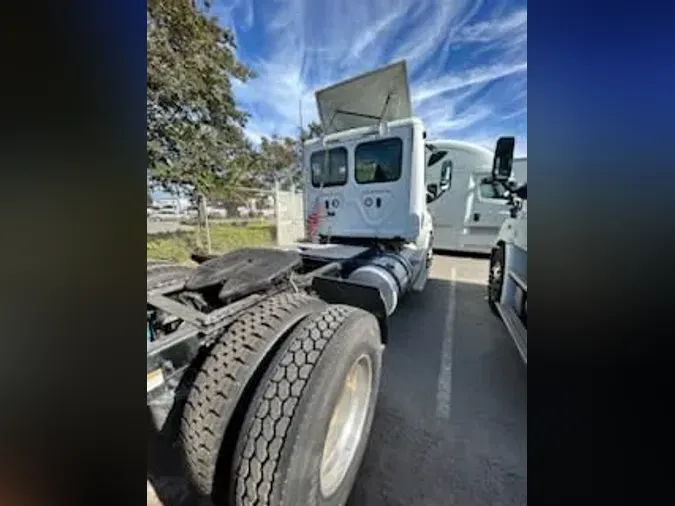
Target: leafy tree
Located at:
point(313, 130)
point(280, 158)
point(278, 155)
point(194, 128)
point(196, 146)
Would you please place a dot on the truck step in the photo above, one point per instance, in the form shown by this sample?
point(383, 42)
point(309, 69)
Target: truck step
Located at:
point(515, 328)
point(421, 280)
point(521, 281)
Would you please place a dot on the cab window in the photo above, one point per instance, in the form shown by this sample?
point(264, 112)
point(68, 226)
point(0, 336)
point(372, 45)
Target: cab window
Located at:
point(378, 161)
point(329, 168)
point(493, 190)
point(446, 172)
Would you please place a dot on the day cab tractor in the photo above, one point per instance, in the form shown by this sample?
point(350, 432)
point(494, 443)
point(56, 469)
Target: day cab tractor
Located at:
point(507, 281)
point(264, 364)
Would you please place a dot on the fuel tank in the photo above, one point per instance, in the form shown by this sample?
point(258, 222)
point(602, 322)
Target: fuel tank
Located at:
point(391, 273)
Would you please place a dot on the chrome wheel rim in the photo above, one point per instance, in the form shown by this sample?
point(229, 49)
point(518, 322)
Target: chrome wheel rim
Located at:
point(346, 425)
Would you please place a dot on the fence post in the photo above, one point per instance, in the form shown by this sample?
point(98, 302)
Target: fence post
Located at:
point(205, 213)
point(277, 211)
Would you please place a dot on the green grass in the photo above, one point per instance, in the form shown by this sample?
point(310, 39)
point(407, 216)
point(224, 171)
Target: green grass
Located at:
point(177, 246)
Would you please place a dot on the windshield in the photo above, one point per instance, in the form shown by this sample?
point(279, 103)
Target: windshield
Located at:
point(329, 168)
point(493, 190)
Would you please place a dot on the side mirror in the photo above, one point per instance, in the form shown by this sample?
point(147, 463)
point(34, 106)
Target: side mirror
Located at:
point(445, 180)
point(502, 163)
point(446, 175)
point(432, 192)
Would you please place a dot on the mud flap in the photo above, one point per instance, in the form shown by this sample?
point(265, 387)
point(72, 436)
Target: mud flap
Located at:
point(352, 293)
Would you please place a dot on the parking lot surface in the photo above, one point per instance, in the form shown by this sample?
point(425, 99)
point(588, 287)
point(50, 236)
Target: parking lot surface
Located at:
point(451, 422)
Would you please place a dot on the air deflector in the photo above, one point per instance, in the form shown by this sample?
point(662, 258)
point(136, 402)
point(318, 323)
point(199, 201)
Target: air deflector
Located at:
point(366, 100)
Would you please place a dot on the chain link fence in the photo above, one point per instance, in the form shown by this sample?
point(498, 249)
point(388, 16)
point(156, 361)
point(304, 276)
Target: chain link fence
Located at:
point(245, 217)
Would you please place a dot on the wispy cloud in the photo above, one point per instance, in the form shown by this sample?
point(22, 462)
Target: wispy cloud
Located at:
point(477, 75)
point(487, 31)
point(467, 59)
point(367, 39)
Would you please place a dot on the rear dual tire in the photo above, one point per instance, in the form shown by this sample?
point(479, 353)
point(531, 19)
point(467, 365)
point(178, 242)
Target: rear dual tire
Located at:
point(285, 450)
point(307, 427)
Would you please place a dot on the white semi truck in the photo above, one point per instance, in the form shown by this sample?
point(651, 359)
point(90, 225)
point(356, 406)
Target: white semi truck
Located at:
point(507, 281)
point(519, 174)
point(265, 363)
point(467, 217)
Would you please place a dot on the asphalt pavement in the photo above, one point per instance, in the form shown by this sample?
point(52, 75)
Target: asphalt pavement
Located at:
point(451, 421)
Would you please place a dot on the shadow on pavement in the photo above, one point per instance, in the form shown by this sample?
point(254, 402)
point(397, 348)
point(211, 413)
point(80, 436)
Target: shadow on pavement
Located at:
point(460, 254)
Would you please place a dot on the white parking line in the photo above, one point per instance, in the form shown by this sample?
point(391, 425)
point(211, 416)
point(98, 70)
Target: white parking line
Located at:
point(444, 389)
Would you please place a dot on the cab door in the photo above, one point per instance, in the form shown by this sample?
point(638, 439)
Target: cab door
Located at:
point(486, 210)
point(382, 184)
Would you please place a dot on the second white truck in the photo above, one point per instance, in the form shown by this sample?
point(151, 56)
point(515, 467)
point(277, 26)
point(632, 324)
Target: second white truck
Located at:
point(467, 217)
point(507, 281)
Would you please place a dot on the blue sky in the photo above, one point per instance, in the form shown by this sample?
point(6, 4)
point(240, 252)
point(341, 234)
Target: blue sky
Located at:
point(467, 60)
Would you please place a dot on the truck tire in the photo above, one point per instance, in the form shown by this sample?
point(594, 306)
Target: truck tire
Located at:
point(166, 274)
point(296, 446)
point(496, 276)
point(227, 380)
